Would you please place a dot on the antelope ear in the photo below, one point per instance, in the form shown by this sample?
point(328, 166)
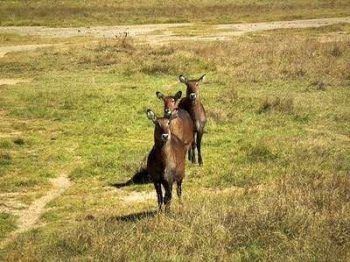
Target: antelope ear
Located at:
point(183, 79)
point(202, 78)
point(159, 95)
point(151, 115)
point(178, 95)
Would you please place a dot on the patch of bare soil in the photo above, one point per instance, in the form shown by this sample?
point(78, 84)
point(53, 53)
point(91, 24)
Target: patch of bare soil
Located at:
point(239, 29)
point(138, 196)
point(96, 31)
point(28, 217)
point(13, 81)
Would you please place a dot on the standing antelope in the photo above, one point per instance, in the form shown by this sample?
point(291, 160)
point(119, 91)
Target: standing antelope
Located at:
point(181, 124)
point(192, 104)
point(166, 161)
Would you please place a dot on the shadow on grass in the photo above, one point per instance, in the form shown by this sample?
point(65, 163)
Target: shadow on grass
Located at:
point(135, 216)
point(140, 178)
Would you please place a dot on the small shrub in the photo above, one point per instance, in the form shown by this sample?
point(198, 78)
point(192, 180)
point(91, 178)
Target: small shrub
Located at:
point(18, 141)
point(284, 105)
point(260, 152)
point(218, 115)
point(336, 51)
point(319, 85)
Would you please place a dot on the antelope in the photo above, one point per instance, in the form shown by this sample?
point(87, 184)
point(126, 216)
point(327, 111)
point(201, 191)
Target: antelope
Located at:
point(181, 124)
point(192, 104)
point(166, 161)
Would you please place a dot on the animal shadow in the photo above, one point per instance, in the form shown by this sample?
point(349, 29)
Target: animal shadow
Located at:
point(135, 216)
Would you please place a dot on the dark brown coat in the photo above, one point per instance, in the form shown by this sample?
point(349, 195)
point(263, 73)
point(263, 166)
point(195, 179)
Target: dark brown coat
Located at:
point(181, 125)
point(192, 104)
point(166, 161)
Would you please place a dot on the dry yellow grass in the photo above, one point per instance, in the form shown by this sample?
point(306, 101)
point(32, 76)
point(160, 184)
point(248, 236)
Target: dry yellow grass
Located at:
point(75, 13)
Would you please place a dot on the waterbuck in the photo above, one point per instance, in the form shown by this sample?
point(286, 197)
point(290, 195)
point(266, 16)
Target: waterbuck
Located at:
point(192, 104)
point(181, 125)
point(166, 161)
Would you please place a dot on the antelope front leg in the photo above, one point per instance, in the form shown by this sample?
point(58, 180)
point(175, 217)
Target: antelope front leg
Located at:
point(199, 141)
point(179, 189)
point(193, 154)
point(168, 187)
point(158, 187)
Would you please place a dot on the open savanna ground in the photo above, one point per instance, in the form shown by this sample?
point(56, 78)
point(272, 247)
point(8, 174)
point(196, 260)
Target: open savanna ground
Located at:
point(107, 12)
point(275, 184)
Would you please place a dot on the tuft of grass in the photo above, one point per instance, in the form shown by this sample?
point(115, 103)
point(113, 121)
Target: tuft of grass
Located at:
point(290, 219)
point(5, 144)
point(5, 158)
point(285, 105)
point(7, 224)
point(319, 85)
point(260, 152)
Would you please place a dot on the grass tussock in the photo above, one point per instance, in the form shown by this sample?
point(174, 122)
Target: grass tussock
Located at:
point(293, 219)
point(5, 158)
point(284, 105)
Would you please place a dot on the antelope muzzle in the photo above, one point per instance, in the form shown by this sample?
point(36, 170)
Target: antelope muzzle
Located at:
point(167, 112)
point(164, 137)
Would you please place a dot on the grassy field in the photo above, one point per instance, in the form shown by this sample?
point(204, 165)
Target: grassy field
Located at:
point(86, 12)
point(275, 183)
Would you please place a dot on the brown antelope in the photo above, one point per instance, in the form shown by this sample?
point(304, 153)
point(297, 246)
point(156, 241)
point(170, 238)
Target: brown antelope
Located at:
point(166, 161)
point(192, 104)
point(181, 124)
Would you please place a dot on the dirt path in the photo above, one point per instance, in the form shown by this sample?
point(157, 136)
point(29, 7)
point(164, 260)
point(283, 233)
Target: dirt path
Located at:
point(13, 81)
point(239, 29)
point(28, 218)
point(162, 33)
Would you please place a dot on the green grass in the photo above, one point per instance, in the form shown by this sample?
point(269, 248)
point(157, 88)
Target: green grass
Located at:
point(275, 181)
point(7, 224)
point(82, 13)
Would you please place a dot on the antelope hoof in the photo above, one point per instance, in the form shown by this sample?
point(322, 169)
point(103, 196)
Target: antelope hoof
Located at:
point(200, 161)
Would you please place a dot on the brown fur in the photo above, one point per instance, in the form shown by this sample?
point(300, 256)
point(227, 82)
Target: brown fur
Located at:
point(166, 161)
point(192, 104)
point(182, 124)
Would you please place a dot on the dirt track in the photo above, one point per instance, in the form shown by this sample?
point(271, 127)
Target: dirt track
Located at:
point(160, 33)
point(28, 217)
